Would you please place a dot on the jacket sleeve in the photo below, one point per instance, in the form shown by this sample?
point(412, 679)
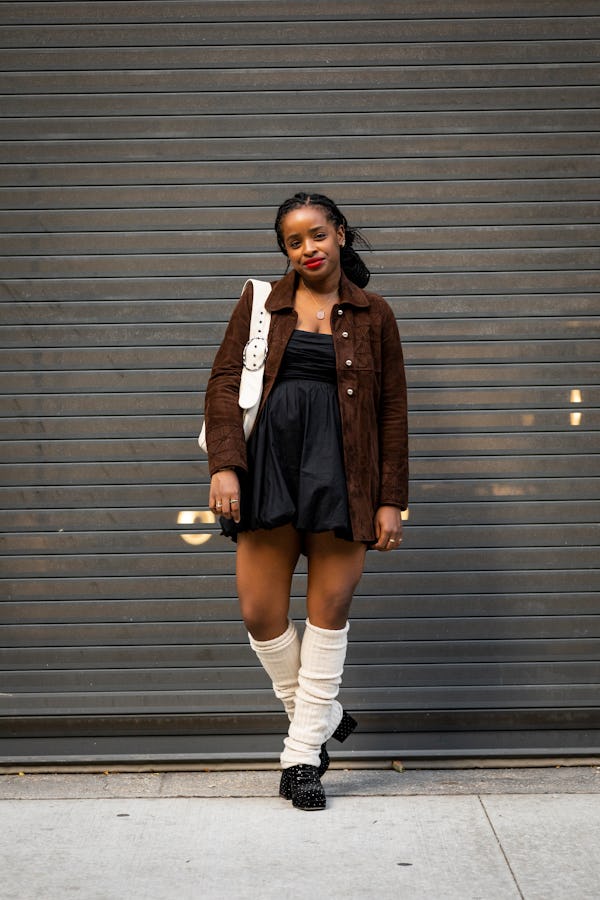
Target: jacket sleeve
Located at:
point(223, 415)
point(393, 425)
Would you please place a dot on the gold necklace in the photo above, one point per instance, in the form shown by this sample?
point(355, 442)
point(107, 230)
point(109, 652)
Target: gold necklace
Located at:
point(320, 314)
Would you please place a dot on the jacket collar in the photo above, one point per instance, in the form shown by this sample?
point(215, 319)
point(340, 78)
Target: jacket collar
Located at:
point(282, 294)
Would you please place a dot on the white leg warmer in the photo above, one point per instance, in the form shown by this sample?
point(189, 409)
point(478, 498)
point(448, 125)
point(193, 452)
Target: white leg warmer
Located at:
point(280, 658)
point(317, 713)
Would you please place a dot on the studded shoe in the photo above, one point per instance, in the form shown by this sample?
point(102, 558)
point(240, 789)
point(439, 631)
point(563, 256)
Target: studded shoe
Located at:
point(345, 728)
point(305, 786)
point(347, 725)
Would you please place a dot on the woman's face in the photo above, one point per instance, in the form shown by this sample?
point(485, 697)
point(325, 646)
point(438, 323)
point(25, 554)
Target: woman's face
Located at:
point(312, 243)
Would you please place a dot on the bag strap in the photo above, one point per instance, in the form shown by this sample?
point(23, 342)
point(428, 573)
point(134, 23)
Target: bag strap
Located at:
point(259, 321)
point(251, 380)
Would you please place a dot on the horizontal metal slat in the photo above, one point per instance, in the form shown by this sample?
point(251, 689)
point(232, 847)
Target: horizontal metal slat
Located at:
point(224, 725)
point(108, 358)
point(215, 609)
point(456, 675)
point(422, 354)
point(349, 147)
point(232, 33)
point(555, 740)
point(347, 193)
point(302, 78)
point(246, 171)
point(452, 52)
point(360, 654)
point(181, 586)
point(314, 99)
point(386, 630)
point(298, 124)
point(24, 13)
point(134, 563)
point(358, 699)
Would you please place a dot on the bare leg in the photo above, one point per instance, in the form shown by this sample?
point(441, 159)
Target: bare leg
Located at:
point(335, 567)
point(266, 560)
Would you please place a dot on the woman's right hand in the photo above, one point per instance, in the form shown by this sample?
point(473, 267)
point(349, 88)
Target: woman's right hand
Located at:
point(224, 497)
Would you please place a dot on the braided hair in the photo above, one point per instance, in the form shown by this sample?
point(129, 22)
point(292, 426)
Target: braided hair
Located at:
point(351, 263)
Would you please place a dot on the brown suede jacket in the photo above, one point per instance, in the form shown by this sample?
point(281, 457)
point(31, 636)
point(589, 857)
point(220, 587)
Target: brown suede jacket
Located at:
point(371, 391)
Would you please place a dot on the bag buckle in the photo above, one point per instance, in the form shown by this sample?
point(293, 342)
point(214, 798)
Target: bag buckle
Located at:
point(255, 354)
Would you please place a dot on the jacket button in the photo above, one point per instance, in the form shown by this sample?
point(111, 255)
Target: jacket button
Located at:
point(350, 392)
point(344, 334)
point(340, 312)
point(348, 362)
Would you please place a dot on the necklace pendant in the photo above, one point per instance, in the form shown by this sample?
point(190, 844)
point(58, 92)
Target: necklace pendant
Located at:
point(320, 314)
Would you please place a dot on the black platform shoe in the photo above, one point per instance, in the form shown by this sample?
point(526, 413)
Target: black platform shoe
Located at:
point(344, 729)
point(306, 790)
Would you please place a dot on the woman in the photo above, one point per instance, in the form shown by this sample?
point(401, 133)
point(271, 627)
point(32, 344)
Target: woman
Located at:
point(324, 473)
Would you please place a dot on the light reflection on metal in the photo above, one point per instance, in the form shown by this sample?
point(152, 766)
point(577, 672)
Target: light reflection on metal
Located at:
point(405, 514)
point(503, 490)
point(193, 517)
point(527, 419)
point(575, 417)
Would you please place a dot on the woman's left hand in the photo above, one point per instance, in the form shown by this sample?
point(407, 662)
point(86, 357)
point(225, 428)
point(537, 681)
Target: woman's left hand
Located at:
point(388, 528)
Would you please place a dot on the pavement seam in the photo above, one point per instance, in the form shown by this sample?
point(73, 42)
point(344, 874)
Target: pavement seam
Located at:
point(499, 842)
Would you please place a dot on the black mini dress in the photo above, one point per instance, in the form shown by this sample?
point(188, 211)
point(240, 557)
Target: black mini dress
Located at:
point(295, 455)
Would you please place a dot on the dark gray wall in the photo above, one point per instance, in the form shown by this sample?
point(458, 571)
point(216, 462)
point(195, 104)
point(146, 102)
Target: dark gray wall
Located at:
point(143, 150)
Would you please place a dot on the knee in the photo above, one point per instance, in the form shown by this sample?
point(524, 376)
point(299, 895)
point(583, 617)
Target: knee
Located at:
point(331, 619)
point(330, 610)
point(263, 624)
point(255, 621)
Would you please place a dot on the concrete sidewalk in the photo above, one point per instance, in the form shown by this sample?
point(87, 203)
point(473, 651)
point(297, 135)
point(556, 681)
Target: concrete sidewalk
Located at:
point(484, 834)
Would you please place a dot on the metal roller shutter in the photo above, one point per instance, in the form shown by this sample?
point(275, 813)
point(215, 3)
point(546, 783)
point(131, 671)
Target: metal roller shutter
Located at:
point(144, 148)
